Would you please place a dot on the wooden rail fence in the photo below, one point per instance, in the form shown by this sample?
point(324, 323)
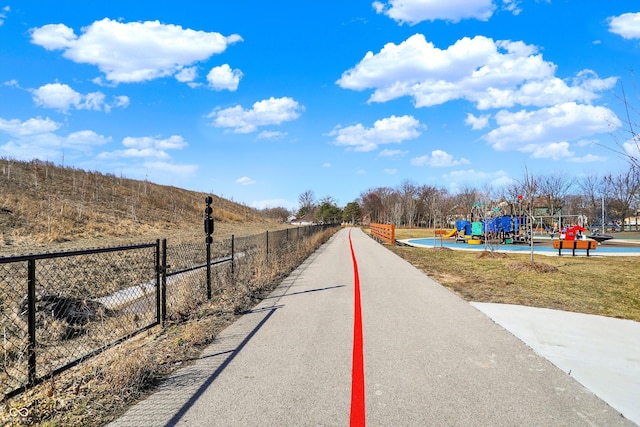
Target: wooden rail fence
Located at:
point(384, 232)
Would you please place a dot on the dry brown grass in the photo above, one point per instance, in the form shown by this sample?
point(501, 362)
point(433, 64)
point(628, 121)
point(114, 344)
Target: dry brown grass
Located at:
point(96, 391)
point(607, 286)
point(47, 206)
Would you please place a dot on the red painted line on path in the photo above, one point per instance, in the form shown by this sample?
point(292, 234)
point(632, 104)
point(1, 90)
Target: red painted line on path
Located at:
point(357, 369)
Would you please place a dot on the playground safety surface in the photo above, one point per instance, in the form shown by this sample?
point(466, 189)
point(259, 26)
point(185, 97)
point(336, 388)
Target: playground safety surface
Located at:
point(543, 245)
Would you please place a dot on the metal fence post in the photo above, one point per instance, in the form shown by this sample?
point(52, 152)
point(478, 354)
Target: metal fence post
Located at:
point(164, 282)
point(31, 302)
point(158, 285)
point(267, 242)
point(232, 255)
point(208, 230)
point(208, 269)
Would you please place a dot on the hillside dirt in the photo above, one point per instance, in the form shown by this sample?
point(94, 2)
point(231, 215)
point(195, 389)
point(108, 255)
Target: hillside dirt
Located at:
point(50, 208)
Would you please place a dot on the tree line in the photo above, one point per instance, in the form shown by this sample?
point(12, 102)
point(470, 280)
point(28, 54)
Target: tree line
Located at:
point(552, 195)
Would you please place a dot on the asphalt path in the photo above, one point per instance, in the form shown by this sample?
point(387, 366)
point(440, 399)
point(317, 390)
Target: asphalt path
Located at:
point(429, 358)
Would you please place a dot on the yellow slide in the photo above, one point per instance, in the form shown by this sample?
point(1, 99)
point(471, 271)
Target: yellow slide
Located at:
point(451, 233)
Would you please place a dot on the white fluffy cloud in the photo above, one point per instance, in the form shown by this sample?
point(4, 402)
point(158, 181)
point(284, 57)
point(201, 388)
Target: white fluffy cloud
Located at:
point(37, 137)
point(416, 11)
point(3, 14)
point(512, 6)
point(632, 148)
point(492, 75)
point(121, 101)
point(626, 25)
point(532, 131)
point(439, 158)
point(392, 153)
point(19, 129)
point(477, 123)
point(133, 51)
point(187, 74)
point(272, 111)
point(589, 158)
point(224, 78)
point(271, 134)
point(171, 170)
point(146, 147)
point(384, 131)
point(488, 73)
point(62, 97)
point(553, 150)
point(148, 157)
point(245, 180)
point(477, 179)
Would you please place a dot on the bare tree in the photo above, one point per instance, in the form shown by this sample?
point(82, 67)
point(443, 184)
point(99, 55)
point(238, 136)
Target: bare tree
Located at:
point(307, 202)
point(466, 198)
point(387, 196)
point(593, 190)
point(278, 213)
point(395, 207)
point(530, 189)
point(628, 138)
point(409, 193)
point(438, 210)
point(424, 201)
point(371, 205)
point(490, 210)
point(328, 199)
point(622, 190)
point(553, 189)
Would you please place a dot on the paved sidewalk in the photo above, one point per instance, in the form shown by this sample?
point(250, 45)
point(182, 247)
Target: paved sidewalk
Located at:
point(602, 353)
point(430, 358)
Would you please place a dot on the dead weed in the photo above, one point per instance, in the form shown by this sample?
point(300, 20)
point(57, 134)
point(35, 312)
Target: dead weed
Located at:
point(535, 267)
point(97, 391)
point(492, 254)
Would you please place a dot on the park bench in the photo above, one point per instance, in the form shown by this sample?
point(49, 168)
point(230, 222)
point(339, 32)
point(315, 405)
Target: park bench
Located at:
point(588, 245)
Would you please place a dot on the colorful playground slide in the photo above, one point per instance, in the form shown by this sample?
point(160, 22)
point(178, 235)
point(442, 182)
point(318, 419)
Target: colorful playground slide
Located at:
point(451, 233)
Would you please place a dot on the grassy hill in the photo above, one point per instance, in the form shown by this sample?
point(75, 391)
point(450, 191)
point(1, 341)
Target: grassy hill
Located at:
point(42, 204)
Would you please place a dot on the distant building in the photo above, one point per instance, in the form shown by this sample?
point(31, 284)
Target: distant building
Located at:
point(632, 222)
point(305, 220)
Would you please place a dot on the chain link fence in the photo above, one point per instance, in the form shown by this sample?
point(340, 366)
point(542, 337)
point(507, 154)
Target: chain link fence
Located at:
point(60, 308)
point(57, 309)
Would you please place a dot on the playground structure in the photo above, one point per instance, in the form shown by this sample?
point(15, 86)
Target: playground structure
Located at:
point(512, 229)
point(494, 225)
point(505, 229)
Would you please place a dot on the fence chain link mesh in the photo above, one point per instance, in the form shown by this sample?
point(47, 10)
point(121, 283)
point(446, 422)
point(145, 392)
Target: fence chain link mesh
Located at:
point(85, 301)
point(185, 275)
point(15, 370)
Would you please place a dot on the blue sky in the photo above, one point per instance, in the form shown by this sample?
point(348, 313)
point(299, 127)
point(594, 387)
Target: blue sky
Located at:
point(260, 101)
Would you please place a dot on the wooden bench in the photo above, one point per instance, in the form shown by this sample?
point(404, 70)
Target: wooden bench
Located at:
point(588, 245)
